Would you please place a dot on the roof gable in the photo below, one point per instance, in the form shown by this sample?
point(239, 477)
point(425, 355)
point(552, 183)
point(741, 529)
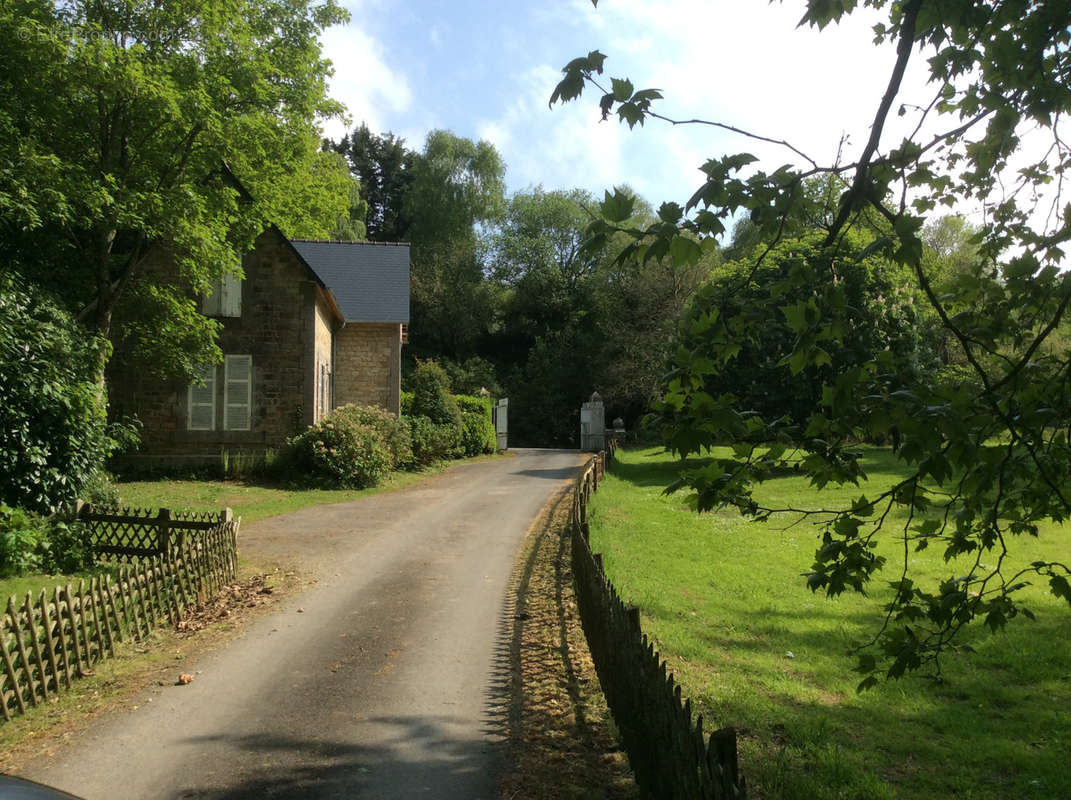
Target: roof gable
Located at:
point(369, 280)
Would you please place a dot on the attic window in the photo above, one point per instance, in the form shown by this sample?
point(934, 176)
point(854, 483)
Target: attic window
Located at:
point(225, 299)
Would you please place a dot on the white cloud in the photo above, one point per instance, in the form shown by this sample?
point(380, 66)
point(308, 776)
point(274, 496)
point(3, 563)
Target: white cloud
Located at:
point(749, 66)
point(364, 81)
point(743, 64)
point(562, 148)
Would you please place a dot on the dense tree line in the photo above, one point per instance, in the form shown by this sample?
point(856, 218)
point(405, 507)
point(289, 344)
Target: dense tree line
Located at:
point(512, 294)
point(506, 295)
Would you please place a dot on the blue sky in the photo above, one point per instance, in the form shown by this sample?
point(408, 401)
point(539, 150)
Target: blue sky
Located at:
point(485, 70)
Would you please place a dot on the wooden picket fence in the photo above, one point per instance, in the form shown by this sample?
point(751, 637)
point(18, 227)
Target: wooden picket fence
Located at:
point(669, 753)
point(179, 562)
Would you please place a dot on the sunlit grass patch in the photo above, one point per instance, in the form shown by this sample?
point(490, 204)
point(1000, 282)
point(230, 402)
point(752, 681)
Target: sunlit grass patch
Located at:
point(725, 601)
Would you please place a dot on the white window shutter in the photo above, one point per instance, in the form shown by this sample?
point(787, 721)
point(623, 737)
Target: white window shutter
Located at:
point(231, 295)
point(238, 392)
point(225, 297)
point(202, 400)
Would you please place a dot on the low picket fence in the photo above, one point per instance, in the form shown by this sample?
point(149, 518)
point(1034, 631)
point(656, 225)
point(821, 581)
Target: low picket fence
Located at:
point(177, 561)
point(670, 755)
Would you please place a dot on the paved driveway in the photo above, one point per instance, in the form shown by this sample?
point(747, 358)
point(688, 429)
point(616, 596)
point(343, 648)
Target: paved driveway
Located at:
point(386, 680)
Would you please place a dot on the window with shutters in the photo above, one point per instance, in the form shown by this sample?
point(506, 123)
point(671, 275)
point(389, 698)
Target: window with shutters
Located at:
point(237, 392)
point(202, 405)
point(225, 299)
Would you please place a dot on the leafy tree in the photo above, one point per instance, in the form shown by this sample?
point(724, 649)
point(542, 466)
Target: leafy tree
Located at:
point(758, 308)
point(53, 431)
point(351, 227)
point(983, 466)
point(576, 319)
point(430, 386)
point(457, 185)
point(548, 340)
point(639, 307)
point(542, 231)
point(116, 119)
point(545, 392)
point(475, 376)
point(535, 251)
point(384, 167)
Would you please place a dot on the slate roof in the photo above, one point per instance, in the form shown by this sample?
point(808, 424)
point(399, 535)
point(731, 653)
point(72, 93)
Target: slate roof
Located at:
point(369, 280)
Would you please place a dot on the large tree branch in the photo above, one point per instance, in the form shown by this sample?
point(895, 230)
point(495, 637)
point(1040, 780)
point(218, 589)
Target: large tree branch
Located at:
point(859, 188)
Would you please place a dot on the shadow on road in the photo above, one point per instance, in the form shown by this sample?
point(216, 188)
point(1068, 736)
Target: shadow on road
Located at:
point(295, 767)
point(560, 474)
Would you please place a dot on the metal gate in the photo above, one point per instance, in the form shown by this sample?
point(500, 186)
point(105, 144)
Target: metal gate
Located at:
point(500, 416)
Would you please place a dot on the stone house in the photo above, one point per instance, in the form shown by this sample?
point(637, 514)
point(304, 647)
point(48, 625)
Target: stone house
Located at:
point(312, 326)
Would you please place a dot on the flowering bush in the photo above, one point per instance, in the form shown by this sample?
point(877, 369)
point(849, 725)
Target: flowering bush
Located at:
point(341, 450)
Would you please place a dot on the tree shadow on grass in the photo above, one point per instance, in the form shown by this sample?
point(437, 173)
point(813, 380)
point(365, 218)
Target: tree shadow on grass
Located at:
point(654, 473)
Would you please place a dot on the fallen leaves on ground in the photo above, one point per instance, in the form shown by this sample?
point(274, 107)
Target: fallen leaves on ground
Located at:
point(248, 593)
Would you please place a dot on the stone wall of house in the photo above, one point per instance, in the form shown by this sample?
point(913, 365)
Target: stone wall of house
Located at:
point(285, 325)
point(367, 364)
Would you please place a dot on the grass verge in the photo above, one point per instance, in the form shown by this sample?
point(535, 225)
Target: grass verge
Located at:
point(724, 600)
point(253, 500)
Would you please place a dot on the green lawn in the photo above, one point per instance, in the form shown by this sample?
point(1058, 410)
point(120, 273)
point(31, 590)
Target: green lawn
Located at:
point(251, 500)
point(725, 602)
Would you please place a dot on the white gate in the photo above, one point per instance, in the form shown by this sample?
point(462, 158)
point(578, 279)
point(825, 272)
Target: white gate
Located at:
point(500, 416)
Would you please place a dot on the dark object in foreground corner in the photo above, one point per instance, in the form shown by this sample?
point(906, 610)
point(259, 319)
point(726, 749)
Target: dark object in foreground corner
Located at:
point(12, 788)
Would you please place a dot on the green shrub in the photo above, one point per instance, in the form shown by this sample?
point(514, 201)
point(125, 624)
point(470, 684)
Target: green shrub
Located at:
point(31, 543)
point(431, 395)
point(341, 451)
point(432, 441)
point(69, 548)
point(478, 431)
point(100, 490)
point(395, 432)
point(22, 539)
point(407, 404)
point(53, 430)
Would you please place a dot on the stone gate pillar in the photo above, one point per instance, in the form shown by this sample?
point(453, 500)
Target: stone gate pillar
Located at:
point(593, 425)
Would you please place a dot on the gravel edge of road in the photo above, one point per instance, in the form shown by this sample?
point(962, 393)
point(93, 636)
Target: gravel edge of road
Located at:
point(561, 741)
